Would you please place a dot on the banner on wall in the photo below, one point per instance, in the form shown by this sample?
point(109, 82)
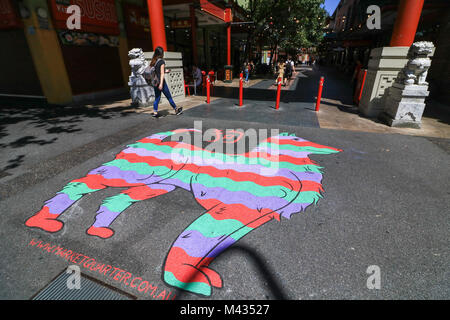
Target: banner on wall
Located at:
point(74, 38)
point(8, 16)
point(97, 16)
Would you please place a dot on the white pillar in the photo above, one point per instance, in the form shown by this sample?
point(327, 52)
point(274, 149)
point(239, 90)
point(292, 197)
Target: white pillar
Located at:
point(384, 66)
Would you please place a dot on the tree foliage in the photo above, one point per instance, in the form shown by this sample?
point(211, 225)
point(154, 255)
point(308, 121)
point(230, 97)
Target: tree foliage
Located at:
point(289, 24)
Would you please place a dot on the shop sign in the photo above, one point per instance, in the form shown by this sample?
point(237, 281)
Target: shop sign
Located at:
point(98, 16)
point(8, 16)
point(180, 24)
point(214, 10)
point(228, 74)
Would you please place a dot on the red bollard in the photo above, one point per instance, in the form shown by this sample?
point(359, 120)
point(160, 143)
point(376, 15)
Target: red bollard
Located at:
point(241, 85)
point(319, 94)
point(208, 84)
point(278, 93)
point(362, 85)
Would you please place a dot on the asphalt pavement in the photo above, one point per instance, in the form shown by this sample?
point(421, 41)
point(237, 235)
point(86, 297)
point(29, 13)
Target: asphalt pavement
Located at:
point(385, 203)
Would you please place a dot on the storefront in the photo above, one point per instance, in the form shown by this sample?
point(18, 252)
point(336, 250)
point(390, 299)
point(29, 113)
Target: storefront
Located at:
point(137, 26)
point(91, 54)
point(48, 60)
point(19, 76)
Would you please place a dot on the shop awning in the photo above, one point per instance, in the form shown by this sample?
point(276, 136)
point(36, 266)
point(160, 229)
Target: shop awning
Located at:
point(206, 12)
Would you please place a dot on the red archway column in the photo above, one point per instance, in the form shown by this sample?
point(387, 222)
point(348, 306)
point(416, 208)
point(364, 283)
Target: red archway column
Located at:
point(157, 28)
point(229, 44)
point(408, 16)
point(228, 19)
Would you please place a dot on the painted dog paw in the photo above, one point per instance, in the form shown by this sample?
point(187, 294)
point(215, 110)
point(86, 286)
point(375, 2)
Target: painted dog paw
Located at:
point(189, 278)
point(213, 276)
point(45, 221)
point(102, 232)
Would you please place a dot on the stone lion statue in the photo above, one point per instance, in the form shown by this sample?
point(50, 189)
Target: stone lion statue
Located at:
point(142, 94)
point(416, 70)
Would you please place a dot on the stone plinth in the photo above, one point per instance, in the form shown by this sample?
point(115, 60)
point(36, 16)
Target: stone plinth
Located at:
point(404, 102)
point(404, 105)
point(384, 66)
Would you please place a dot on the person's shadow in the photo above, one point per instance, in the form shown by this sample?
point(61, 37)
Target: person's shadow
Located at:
point(164, 113)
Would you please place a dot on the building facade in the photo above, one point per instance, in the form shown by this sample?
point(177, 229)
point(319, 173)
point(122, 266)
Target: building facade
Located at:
point(47, 60)
point(349, 39)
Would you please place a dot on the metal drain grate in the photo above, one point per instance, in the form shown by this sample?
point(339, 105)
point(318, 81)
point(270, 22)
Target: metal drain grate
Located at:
point(90, 289)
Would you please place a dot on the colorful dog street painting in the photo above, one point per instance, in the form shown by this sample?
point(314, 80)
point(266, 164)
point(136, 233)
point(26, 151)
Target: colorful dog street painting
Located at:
point(237, 194)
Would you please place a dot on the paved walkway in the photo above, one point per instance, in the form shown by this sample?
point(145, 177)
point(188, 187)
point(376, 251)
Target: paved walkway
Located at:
point(385, 203)
point(337, 110)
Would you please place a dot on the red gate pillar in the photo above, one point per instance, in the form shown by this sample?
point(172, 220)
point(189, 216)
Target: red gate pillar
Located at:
point(408, 16)
point(228, 68)
point(228, 19)
point(158, 31)
point(229, 44)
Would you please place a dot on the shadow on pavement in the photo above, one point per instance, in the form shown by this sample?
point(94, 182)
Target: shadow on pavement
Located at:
point(336, 87)
point(22, 126)
point(265, 272)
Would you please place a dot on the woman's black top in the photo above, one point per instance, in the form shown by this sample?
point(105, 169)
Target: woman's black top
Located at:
point(158, 68)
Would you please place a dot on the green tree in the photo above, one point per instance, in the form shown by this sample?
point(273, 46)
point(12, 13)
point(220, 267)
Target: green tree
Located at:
point(287, 24)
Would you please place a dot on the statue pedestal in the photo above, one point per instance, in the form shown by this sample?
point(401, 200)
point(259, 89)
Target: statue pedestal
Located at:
point(384, 65)
point(404, 105)
point(404, 102)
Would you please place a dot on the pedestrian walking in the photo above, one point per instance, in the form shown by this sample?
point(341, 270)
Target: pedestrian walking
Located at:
point(281, 67)
point(156, 72)
point(252, 67)
point(288, 70)
point(246, 71)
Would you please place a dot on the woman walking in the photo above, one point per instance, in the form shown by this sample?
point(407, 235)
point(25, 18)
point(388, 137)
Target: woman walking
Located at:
point(246, 70)
point(281, 67)
point(161, 86)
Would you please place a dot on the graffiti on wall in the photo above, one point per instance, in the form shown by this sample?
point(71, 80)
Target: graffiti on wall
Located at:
point(238, 195)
